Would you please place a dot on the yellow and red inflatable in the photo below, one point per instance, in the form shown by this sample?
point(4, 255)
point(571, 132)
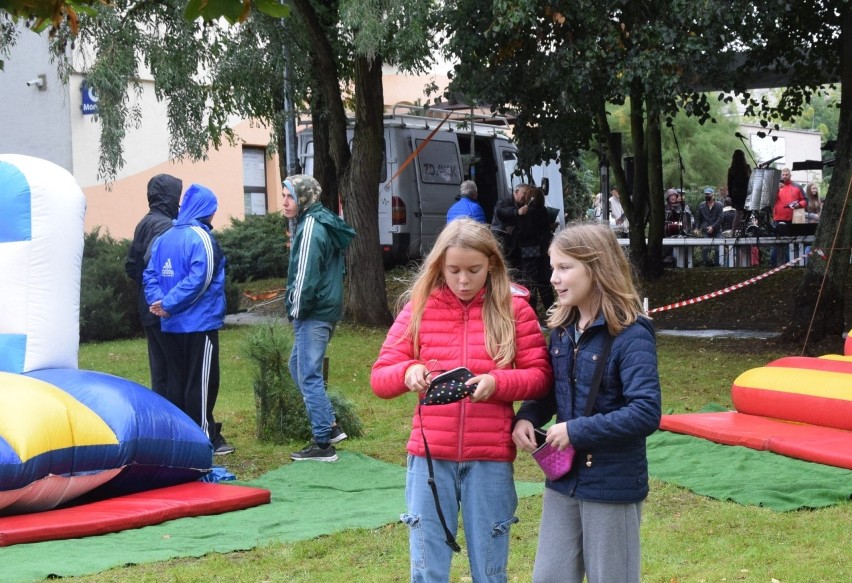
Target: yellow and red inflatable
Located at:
point(796, 406)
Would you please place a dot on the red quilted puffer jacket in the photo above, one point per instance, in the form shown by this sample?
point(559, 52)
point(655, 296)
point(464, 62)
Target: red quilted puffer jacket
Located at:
point(452, 334)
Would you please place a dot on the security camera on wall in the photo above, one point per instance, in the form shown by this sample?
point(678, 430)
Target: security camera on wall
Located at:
point(40, 82)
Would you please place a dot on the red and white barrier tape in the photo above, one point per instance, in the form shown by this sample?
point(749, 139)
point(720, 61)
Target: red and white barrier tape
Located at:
point(737, 286)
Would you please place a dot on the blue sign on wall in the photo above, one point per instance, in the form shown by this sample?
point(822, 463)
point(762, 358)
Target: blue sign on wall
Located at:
point(90, 99)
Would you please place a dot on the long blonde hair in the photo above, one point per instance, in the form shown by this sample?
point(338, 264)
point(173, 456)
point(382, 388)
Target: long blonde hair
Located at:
point(596, 247)
point(497, 313)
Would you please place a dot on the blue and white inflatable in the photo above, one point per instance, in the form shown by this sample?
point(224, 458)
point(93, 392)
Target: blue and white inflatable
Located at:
point(66, 432)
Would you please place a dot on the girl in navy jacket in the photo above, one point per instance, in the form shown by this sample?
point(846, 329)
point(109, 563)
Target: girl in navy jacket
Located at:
point(591, 516)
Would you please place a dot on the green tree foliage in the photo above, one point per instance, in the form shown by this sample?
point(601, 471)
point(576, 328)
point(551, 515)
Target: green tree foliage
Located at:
point(557, 64)
point(353, 39)
point(207, 73)
point(809, 40)
point(704, 148)
point(42, 14)
point(820, 113)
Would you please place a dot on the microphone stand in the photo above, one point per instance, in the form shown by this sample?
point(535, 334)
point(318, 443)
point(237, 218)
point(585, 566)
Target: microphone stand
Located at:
point(683, 226)
point(746, 215)
point(679, 158)
point(742, 139)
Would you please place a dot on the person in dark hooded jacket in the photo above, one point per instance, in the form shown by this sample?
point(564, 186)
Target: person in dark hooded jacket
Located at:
point(185, 287)
point(314, 304)
point(163, 203)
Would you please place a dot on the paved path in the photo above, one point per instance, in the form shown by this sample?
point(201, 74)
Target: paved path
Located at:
point(246, 318)
point(243, 318)
point(762, 335)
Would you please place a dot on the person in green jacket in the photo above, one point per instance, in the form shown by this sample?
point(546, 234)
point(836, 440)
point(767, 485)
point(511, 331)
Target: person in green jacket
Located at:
point(314, 304)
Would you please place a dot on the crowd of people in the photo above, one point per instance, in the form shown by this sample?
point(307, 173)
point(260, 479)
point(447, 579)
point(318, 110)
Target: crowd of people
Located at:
point(179, 270)
point(472, 304)
point(723, 213)
point(593, 386)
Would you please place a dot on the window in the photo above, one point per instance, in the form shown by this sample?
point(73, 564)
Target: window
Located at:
point(308, 161)
point(254, 181)
point(510, 163)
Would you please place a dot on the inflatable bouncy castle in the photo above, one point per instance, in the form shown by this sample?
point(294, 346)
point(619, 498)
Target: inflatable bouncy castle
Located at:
point(64, 432)
point(795, 406)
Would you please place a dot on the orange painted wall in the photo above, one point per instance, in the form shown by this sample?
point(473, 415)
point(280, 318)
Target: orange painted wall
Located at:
point(119, 209)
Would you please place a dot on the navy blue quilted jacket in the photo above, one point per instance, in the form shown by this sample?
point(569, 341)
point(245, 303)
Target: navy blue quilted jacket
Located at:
point(626, 411)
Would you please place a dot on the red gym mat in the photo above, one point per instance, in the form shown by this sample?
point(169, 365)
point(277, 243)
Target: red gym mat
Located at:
point(131, 511)
point(824, 445)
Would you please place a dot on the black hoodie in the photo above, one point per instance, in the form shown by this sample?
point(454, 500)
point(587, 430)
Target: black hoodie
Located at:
point(163, 201)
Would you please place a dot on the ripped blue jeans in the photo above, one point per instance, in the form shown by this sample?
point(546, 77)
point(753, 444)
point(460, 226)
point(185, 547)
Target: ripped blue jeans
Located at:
point(485, 493)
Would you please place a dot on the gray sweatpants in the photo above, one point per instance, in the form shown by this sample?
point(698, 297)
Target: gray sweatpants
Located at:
point(595, 539)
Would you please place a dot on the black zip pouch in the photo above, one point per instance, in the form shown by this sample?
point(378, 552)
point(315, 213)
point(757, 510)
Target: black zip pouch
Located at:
point(449, 387)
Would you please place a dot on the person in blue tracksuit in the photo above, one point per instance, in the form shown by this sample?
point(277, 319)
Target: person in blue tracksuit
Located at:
point(591, 516)
point(185, 287)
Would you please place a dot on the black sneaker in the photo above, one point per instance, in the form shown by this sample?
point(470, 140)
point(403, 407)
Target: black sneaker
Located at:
point(221, 447)
point(337, 435)
point(313, 452)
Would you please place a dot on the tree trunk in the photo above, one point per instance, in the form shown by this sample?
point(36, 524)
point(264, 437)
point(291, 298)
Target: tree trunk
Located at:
point(327, 76)
point(324, 169)
point(359, 182)
point(820, 298)
point(635, 201)
point(656, 211)
point(368, 302)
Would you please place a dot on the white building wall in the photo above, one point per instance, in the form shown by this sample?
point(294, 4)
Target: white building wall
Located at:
point(144, 146)
point(50, 124)
point(34, 121)
point(792, 145)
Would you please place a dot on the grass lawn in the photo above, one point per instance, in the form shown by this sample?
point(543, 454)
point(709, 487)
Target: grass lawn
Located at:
point(686, 538)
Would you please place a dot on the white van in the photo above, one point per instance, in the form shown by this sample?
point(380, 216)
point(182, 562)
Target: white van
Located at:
point(425, 159)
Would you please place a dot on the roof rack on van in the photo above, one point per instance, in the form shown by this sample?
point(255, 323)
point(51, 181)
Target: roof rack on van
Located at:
point(455, 118)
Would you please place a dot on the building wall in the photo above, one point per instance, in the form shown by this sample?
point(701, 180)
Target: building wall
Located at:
point(791, 145)
point(398, 87)
point(144, 146)
point(50, 124)
point(34, 122)
point(119, 208)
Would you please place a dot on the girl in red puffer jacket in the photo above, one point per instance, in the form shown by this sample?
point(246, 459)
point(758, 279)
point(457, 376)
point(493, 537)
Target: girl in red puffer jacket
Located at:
point(463, 311)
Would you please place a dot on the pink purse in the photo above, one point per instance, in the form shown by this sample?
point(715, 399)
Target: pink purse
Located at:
point(553, 463)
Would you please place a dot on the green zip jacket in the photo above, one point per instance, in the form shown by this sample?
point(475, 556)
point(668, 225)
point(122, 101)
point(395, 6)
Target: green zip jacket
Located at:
point(317, 264)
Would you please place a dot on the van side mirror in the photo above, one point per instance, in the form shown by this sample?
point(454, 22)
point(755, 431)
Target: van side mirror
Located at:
point(545, 185)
